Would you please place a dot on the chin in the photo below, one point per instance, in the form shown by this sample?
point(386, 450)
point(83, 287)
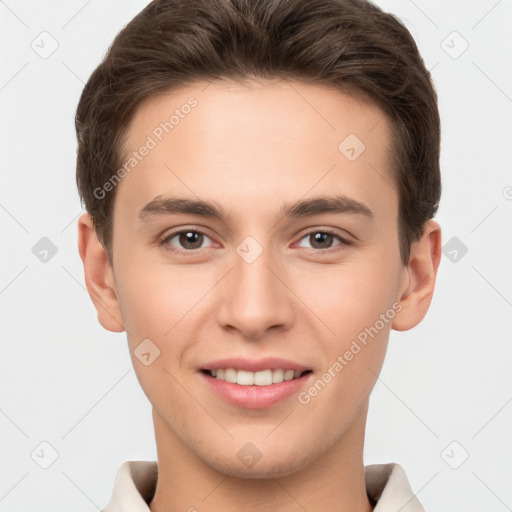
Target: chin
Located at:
point(261, 469)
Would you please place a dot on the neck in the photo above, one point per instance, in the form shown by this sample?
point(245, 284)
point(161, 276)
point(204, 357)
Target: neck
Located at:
point(332, 482)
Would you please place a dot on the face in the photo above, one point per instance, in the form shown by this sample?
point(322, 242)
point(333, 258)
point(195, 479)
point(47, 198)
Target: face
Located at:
point(294, 256)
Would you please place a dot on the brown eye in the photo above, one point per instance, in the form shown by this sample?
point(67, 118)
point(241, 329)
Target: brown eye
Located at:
point(190, 239)
point(323, 240)
point(185, 241)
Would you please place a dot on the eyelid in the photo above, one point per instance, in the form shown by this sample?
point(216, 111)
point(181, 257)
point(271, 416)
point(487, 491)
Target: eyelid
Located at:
point(345, 241)
point(342, 234)
point(178, 231)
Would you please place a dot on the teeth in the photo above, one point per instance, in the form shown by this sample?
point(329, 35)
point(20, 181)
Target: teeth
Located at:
point(261, 378)
point(243, 377)
point(230, 375)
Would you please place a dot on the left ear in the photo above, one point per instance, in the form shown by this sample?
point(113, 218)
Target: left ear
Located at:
point(422, 270)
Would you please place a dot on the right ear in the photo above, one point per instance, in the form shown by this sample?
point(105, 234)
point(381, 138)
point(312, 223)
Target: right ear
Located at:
point(99, 277)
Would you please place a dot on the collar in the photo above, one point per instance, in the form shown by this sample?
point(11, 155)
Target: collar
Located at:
point(386, 485)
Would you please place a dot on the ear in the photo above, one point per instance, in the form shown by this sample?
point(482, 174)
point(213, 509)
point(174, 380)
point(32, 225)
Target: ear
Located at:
point(416, 294)
point(99, 277)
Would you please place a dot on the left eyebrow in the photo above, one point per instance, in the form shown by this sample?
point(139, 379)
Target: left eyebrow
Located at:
point(338, 204)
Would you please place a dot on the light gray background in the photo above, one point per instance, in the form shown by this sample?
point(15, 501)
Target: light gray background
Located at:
point(67, 382)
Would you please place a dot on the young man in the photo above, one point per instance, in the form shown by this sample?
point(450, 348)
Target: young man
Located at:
point(260, 178)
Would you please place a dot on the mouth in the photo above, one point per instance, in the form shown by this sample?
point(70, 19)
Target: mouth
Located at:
point(265, 377)
point(261, 389)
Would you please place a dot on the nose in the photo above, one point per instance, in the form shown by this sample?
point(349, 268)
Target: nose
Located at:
point(256, 297)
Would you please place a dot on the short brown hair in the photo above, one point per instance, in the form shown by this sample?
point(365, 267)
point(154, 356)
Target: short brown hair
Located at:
point(349, 45)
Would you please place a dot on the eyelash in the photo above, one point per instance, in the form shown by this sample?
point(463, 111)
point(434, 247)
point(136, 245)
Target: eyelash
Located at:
point(344, 242)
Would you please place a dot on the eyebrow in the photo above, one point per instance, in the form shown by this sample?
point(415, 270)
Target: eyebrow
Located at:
point(337, 204)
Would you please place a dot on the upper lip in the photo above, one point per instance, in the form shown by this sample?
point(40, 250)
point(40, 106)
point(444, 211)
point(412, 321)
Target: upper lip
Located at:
point(255, 365)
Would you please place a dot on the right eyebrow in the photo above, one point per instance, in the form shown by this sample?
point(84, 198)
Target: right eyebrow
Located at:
point(175, 205)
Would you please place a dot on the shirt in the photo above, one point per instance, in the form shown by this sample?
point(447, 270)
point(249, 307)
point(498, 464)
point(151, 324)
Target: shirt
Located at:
point(386, 485)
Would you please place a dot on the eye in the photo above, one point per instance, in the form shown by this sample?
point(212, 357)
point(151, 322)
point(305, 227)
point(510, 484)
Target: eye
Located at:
point(189, 239)
point(322, 240)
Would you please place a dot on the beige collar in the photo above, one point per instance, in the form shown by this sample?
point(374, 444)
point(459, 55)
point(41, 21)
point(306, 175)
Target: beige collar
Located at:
point(386, 485)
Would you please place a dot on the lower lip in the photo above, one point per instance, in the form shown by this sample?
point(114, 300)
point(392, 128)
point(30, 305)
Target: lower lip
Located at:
point(255, 397)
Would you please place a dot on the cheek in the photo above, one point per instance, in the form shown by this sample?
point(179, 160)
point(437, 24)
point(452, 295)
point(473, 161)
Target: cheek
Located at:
point(162, 304)
point(347, 297)
point(155, 303)
point(156, 297)
point(355, 305)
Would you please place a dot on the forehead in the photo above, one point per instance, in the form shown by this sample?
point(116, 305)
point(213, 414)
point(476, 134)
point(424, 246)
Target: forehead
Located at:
point(257, 141)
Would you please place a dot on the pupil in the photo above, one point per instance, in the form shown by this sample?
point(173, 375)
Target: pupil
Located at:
point(190, 237)
point(321, 238)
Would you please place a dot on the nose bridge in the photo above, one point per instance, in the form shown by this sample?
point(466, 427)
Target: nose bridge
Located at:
point(255, 298)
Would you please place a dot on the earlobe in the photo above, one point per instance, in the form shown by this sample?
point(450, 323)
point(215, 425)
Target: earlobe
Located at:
point(422, 271)
point(99, 277)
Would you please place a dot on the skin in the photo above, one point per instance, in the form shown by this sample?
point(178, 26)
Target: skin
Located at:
point(252, 148)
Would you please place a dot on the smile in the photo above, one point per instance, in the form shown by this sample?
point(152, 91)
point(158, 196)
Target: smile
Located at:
point(259, 378)
point(255, 390)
